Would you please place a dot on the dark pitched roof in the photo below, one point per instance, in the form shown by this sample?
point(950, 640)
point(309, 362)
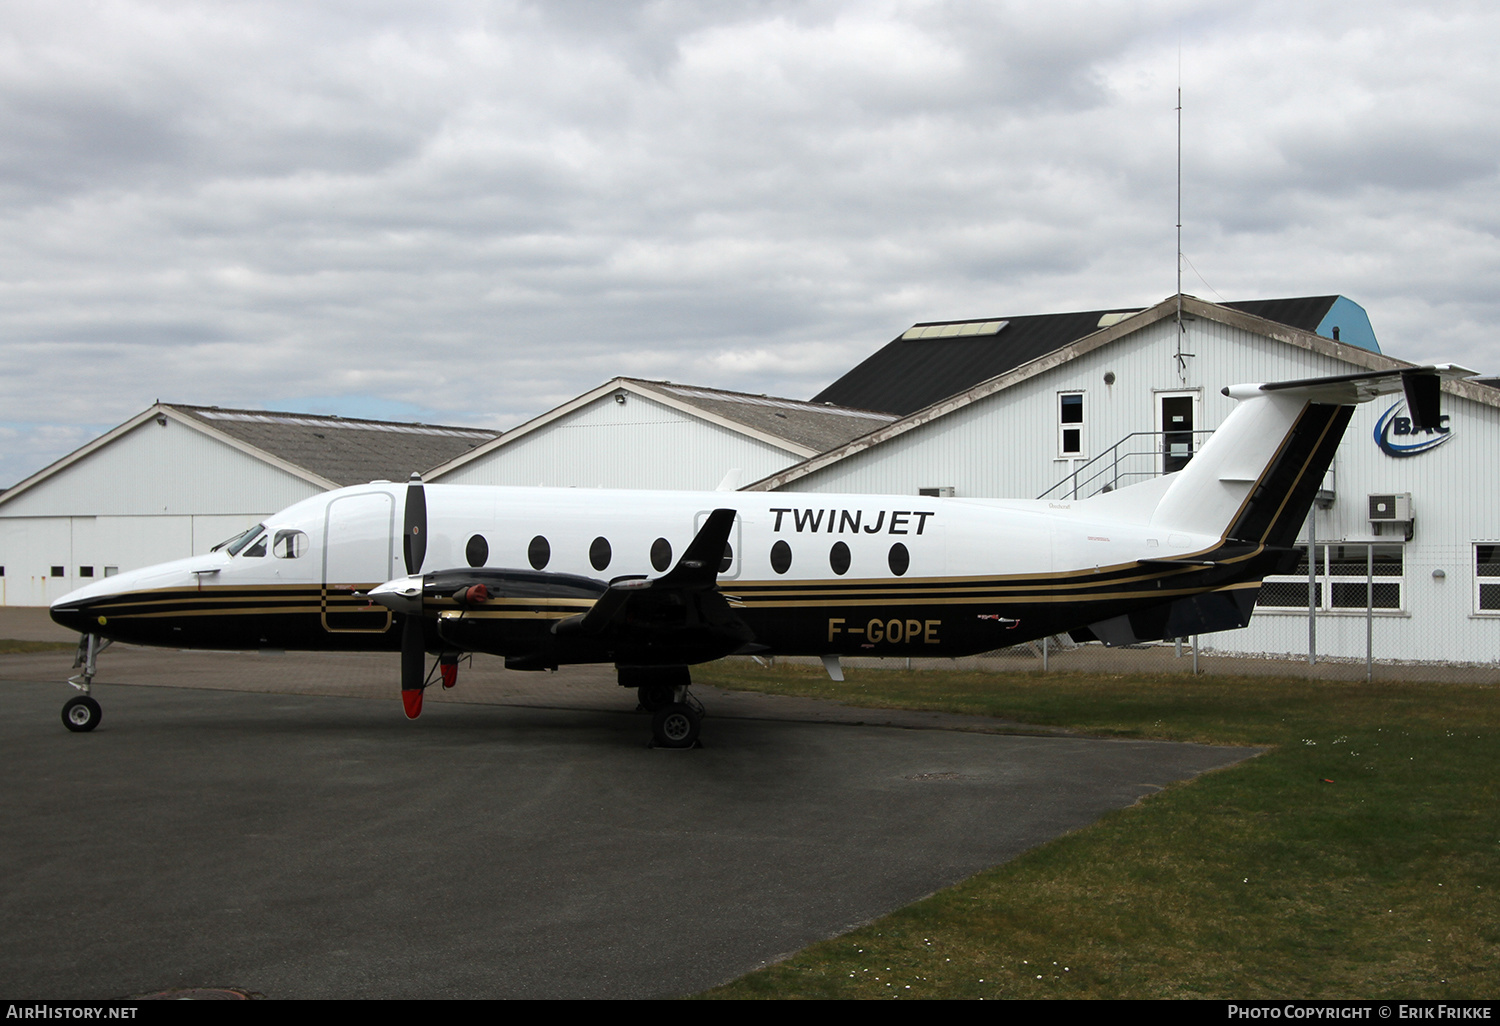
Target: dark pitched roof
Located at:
point(344, 450)
point(1305, 313)
point(817, 426)
point(911, 373)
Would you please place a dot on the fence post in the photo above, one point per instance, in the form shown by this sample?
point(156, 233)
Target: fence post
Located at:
point(1045, 642)
point(1370, 612)
point(1312, 586)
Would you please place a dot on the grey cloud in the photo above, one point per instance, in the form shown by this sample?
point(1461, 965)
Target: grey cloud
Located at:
point(481, 209)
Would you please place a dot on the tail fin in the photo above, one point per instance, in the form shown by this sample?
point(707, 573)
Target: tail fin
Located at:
point(1256, 477)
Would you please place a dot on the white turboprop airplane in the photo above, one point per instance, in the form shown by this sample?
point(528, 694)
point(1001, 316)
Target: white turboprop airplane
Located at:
point(544, 577)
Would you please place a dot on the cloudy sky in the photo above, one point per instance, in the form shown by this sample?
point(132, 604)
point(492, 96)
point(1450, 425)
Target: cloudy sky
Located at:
point(468, 212)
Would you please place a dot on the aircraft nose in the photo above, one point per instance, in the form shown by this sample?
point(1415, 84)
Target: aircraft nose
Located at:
point(73, 616)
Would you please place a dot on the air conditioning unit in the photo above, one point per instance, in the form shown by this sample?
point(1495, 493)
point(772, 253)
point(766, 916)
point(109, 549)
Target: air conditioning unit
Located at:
point(945, 492)
point(1390, 508)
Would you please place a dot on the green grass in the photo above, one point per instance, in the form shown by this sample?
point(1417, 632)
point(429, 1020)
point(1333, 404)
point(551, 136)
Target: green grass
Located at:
point(9, 646)
point(1359, 857)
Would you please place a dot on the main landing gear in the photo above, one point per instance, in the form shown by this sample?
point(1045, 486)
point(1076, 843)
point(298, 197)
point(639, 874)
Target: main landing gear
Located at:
point(676, 715)
point(81, 713)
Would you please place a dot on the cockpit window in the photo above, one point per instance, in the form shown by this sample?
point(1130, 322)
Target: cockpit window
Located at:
point(257, 548)
point(289, 544)
point(239, 541)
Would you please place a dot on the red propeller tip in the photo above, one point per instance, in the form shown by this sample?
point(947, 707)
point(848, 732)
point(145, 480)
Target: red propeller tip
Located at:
point(413, 702)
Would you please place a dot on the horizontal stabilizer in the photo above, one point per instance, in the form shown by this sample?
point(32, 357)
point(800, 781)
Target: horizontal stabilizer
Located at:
point(1421, 385)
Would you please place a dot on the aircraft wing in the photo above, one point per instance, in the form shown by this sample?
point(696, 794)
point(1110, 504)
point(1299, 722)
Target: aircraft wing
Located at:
point(644, 600)
point(680, 617)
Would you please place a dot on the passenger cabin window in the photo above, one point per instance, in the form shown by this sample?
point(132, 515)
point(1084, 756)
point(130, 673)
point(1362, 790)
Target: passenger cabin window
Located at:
point(477, 551)
point(538, 553)
point(781, 557)
point(599, 553)
point(289, 544)
point(661, 554)
point(838, 558)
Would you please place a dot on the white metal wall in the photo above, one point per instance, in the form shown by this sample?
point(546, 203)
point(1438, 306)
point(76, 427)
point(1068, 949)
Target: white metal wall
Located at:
point(1455, 491)
point(1006, 446)
point(636, 444)
point(152, 495)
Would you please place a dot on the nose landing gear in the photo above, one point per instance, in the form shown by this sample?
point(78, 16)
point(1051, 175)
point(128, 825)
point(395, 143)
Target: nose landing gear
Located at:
point(81, 713)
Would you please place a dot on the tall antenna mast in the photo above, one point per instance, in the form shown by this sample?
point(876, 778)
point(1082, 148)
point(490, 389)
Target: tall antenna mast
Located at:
point(1179, 190)
point(1182, 358)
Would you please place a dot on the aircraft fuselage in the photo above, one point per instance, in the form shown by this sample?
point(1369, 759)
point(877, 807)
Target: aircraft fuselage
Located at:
point(806, 573)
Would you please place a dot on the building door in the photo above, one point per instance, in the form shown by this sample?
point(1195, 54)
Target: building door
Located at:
point(1176, 417)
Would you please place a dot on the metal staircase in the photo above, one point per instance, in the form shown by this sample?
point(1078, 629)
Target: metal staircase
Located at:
point(1139, 456)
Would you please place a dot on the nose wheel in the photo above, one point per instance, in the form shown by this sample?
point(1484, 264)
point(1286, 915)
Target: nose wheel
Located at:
point(81, 714)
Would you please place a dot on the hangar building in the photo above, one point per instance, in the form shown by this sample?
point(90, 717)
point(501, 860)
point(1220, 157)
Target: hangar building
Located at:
point(629, 433)
point(175, 480)
point(1132, 394)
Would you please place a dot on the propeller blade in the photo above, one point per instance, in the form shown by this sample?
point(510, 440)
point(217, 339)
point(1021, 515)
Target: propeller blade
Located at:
point(413, 662)
point(414, 533)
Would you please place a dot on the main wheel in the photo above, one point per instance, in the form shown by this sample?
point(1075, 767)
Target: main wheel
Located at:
point(655, 696)
point(676, 726)
point(81, 714)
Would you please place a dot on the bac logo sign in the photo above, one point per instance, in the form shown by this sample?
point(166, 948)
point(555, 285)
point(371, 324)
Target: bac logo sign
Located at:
point(1396, 436)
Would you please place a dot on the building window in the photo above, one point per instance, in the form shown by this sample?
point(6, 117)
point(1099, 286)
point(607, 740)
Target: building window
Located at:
point(85, 571)
point(57, 571)
point(1069, 424)
point(1487, 577)
point(1340, 580)
point(109, 571)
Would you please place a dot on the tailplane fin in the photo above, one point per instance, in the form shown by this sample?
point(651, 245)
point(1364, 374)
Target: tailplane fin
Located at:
point(1256, 477)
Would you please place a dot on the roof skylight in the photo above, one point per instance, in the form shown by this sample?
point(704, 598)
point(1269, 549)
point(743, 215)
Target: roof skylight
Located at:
point(959, 330)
